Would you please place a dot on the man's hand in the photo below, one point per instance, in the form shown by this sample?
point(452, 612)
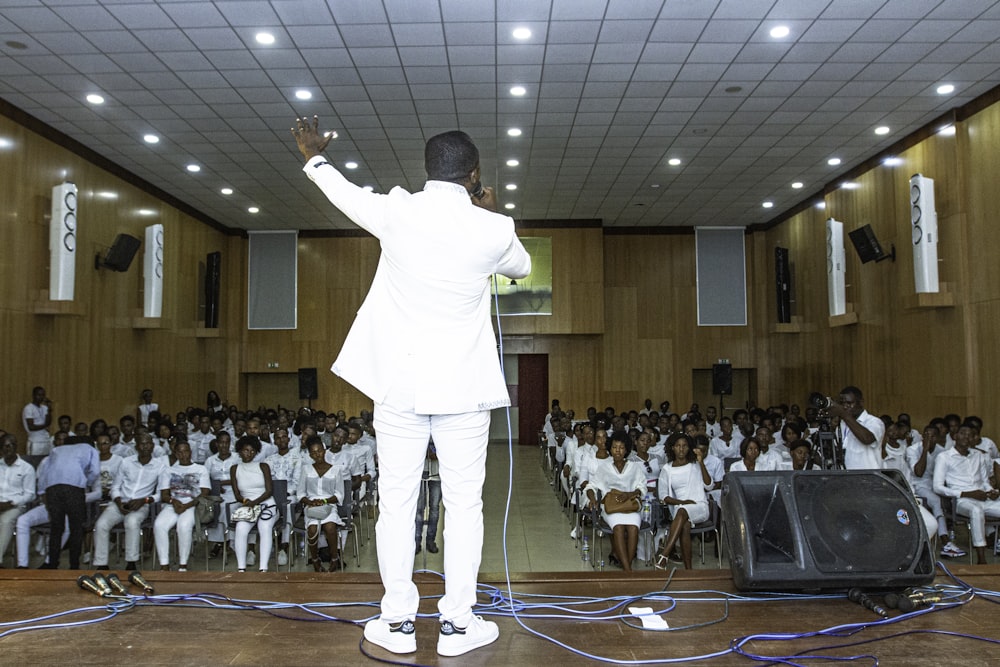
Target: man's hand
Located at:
point(488, 201)
point(308, 138)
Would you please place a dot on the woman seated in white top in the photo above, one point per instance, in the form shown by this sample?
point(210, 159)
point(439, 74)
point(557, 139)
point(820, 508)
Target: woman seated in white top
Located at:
point(252, 488)
point(322, 485)
point(620, 480)
point(750, 451)
point(683, 485)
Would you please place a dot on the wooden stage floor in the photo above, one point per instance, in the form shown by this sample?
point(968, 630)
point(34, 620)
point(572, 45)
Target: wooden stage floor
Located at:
point(177, 635)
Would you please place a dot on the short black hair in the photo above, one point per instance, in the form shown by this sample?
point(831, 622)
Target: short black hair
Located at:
point(450, 156)
point(251, 440)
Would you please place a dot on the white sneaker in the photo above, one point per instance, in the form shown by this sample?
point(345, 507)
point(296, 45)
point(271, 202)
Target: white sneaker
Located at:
point(454, 641)
point(251, 558)
point(572, 533)
point(951, 550)
point(394, 637)
point(282, 558)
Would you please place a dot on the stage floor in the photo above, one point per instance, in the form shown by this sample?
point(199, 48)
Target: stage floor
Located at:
point(181, 635)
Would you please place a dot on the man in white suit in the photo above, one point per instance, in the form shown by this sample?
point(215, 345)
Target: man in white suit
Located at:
point(423, 349)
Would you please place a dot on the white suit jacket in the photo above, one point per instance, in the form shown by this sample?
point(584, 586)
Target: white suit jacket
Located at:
point(428, 309)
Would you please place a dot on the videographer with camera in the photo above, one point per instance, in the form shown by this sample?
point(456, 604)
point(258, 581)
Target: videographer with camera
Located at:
point(860, 432)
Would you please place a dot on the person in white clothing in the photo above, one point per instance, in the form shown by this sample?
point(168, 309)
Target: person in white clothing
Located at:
point(132, 495)
point(618, 480)
point(17, 489)
point(322, 490)
point(423, 349)
point(36, 418)
point(726, 445)
point(749, 453)
point(180, 486)
point(252, 488)
point(285, 464)
point(860, 432)
point(959, 474)
point(683, 485)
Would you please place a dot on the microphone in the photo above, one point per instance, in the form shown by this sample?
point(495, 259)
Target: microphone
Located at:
point(102, 584)
point(135, 578)
point(862, 598)
point(909, 601)
point(88, 584)
point(116, 584)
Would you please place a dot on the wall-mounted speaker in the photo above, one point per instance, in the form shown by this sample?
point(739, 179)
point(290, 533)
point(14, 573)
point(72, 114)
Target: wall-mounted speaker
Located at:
point(924, 226)
point(835, 259)
point(213, 273)
point(783, 285)
point(120, 254)
point(152, 272)
point(308, 384)
point(795, 530)
point(867, 245)
point(722, 379)
point(62, 242)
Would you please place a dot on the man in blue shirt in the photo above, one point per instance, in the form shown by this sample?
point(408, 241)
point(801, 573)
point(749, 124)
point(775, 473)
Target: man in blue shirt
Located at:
point(72, 468)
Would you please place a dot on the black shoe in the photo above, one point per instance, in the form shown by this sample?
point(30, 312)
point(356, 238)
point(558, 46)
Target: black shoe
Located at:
point(130, 566)
point(418, 549)
point(101, 567)
point(48, 566)
point(432, 547)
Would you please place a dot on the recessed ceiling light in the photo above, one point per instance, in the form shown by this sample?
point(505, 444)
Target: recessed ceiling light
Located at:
point(303, 95)
point(368, 188)
point(833, 162)
point(146, 212)
point(733, 89)
point(821, 204)
point(947, 131)
point(768, 204)
point(14, 44)
point(674, 161)
point(94, 98)
point(797, 185)
point(508, 206)
point(882, 129)
point(193, 168)
point(521, 33)
point(518, 91)
point(945, 89)
point(780, 31)
point(892, 161)
point(514, 132)
point(511, 186)
point(351, 165)
point(655, 185)
point(151, 138)
point(264, 38)
point(226, 191)
point(253, 209)
point(512, 162)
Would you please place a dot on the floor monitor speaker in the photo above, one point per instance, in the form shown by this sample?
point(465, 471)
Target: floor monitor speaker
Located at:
point(813, 530)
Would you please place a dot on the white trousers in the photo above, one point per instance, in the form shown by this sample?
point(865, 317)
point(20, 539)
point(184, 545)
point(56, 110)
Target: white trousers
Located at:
point(36, 516)
point(977, 511)
point(111, 517)
point(8, 518)
point(167, 519)
point(461, 441)
point(265, 528)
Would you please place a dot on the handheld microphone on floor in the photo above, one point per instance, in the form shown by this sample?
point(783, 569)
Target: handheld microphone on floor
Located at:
point(135, 578)
point(102, 584)
point(87, 584)
point(862, 598)
point(116, 584)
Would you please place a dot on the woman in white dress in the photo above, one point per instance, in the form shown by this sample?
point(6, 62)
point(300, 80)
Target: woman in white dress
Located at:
point(619, 480)
point(252, 488)
point(323, 490)
point(683, 485)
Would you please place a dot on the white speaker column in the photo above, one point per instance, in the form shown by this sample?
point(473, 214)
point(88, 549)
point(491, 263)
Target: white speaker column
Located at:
point(924, 223)
point(835, 258)
point(62, 243)
point(152, 271)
